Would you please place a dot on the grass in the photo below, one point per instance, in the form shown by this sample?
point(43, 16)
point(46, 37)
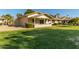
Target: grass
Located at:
point(55, 37)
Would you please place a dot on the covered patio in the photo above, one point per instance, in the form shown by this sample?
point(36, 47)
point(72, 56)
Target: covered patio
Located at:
point(40, 20)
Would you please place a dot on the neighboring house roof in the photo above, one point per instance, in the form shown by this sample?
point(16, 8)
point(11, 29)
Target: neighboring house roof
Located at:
point(62, 18)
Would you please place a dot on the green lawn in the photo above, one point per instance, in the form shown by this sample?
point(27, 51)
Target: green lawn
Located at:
point(56, 37)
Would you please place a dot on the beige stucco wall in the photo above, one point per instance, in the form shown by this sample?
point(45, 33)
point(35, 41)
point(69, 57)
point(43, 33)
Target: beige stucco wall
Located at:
point(21, 22)
point(42, 25)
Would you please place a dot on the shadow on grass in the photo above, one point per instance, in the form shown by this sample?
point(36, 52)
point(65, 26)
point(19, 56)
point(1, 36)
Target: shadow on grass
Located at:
point(42, 39)
point(64, 26)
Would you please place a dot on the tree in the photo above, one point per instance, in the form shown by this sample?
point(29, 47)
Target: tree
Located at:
point(19, 15)
point(28, 11)
point(58, 15)
point(8, 18)
point(74, 21)
point(67, 15)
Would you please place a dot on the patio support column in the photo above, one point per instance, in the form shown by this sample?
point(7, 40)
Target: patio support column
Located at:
point(34, 20)
point(44, 21)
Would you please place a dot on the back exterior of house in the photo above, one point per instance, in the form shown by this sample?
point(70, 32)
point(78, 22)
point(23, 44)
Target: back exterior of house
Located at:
point(40, 20)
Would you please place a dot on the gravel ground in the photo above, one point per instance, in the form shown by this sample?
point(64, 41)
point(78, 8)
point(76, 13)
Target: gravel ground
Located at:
point(8, 28)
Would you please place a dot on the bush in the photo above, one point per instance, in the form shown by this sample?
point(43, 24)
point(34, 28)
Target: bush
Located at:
point(54, 24)
point(29, 25)
point(57, 24)
point(0, 23)
point(74, 21)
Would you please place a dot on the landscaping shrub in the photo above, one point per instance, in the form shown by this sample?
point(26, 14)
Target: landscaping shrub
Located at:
point(29, 25)
point(54, 24)
point(57, 24)
point(74, 21)
point(0, 23)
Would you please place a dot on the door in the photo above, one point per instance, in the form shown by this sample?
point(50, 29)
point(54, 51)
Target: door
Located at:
point(41, 21)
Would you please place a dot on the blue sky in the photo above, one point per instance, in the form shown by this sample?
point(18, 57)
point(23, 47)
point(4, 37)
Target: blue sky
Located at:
point(13, 12)
point(70, 12)
point(64, 12)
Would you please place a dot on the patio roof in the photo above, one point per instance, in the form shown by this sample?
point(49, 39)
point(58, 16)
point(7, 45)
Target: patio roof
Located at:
point(37, 15)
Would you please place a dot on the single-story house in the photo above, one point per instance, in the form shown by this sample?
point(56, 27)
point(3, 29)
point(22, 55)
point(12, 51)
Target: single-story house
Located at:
point(1, 21)
point(38, 19)
point(21, 21)
point(62, 20)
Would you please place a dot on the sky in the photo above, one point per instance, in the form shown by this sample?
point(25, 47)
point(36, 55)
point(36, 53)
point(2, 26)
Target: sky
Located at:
point(63, 12)
point(13, 12)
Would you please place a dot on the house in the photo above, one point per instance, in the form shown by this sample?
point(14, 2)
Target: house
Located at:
point(37, 19)
point(21, 21)
point(1, 22)
point(62, 19)
point(40, 20)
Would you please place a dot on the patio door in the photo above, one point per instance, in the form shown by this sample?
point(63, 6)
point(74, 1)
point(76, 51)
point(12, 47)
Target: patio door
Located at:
point(41, 21)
